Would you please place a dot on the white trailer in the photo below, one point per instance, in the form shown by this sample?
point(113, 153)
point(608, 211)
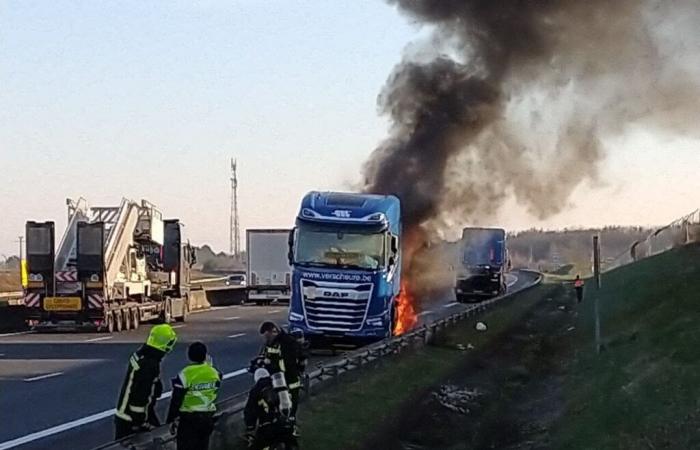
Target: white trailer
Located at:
point(269, 274)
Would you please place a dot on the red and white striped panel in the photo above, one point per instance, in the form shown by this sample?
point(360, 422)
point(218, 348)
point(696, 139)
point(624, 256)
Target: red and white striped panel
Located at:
point(68, 275)
point(32, 300)
point(95, 301)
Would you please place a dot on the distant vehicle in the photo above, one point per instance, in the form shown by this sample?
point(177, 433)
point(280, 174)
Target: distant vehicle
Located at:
point(115, 268)
point(346, 261)
point(269, 275)
point(483, 261)
point(236, 280)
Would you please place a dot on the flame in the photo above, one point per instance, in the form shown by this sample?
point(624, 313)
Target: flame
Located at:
point(406, 310)
point(407, 301)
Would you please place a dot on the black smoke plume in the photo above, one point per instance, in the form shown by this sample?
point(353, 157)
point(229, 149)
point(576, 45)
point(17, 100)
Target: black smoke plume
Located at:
point(515, 98)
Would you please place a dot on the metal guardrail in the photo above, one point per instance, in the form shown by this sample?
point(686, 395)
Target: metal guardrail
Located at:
point(160, 438)
point(682, 231)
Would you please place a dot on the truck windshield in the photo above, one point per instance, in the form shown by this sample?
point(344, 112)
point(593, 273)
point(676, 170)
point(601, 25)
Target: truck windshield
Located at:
point(340, 249)
point(483, 249)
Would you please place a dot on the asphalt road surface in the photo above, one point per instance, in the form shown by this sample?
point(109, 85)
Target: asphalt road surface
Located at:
point(58, 391)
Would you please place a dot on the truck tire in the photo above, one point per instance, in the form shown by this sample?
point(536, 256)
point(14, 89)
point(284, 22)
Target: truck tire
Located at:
point(135, 319)
point(167, 315)
point(118, 321)
point(126, 317)
point(109, 323)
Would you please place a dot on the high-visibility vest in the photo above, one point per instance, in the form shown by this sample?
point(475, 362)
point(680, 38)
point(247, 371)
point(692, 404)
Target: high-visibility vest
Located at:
point(201, 382)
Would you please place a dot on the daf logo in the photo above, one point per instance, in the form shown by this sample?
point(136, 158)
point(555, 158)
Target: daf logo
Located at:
point(336, 294)
point(342, 213)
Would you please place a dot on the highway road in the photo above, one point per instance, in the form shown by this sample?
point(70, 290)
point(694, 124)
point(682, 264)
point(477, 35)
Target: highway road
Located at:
point(57, 390)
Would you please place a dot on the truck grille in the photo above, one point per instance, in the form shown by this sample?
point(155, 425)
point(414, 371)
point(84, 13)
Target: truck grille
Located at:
point(335, 306)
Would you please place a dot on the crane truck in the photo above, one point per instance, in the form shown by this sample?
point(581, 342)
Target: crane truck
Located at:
point(115, 268)
point(346, 268)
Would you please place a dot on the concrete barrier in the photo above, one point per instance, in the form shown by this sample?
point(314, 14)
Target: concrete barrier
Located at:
point(226, 297)
point(12, 318)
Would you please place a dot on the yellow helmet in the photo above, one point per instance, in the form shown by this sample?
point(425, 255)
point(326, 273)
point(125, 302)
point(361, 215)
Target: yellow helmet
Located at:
point(162, 337)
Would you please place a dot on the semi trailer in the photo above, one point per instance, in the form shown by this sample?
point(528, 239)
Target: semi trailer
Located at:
point(114, 268)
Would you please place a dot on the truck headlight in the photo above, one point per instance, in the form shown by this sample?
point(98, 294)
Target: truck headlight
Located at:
point(375, 322)
point(295, 317)
point(459, 291)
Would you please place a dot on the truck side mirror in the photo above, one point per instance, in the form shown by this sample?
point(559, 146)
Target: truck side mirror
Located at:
point(394, 244)
point(290, 248)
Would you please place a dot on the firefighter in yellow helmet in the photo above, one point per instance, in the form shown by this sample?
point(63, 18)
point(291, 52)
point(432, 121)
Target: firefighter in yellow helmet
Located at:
point(142, 385)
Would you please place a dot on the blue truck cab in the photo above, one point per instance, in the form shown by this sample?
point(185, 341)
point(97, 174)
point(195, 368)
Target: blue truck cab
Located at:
point(346, 268)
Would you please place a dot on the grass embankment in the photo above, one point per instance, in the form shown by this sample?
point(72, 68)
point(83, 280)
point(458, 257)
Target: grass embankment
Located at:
point(643, 391)
point(9, 281)
point(348, 414)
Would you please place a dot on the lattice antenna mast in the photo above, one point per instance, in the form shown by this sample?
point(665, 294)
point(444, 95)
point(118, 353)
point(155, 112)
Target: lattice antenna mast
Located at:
point(235, 232)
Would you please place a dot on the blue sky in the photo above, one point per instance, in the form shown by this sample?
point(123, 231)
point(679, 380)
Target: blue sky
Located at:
point(150, 99)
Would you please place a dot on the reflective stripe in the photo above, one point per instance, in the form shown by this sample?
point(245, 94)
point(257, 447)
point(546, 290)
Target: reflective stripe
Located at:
point(137, 409)
point(296, 385)
point(273, 350)
point(282, 366)
point(123, 416)
point(127, 391)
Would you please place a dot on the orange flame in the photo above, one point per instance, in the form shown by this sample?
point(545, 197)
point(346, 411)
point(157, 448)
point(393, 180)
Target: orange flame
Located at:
point(406, 303)
point(406, 311)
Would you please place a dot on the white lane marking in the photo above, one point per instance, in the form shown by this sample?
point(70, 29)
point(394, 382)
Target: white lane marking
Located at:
point(231, 318)
point(274, 311)
point(216, 308)
point(237, 335)
point(425, 313)
point(178, 326)
point(236, 373)
point(19, 333)
point(513, 279)
point(451, 305)
point(97, 339)
point(85, 420)
point(43, 377)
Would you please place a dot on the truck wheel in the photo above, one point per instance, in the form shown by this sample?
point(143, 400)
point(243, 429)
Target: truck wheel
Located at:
point(109, 326)
point(135, 319)
point(126, 314)
point(167, 314)
point(118, 321)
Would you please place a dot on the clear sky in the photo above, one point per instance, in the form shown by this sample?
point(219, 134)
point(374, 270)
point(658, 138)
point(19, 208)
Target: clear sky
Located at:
point(149, 100)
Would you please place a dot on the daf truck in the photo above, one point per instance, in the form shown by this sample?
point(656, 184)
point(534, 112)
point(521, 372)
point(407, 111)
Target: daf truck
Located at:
point(114, 268)
point(483, 261)
point(346, 268)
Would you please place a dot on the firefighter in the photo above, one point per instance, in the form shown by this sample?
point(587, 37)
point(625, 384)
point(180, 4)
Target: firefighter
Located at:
point(192, 406)
point(142, 386)
point(284, 354)
point(265, 424)
point(578, 286)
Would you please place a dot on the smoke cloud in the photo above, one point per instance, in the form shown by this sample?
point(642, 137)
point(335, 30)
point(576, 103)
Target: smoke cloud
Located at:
point(516, 98)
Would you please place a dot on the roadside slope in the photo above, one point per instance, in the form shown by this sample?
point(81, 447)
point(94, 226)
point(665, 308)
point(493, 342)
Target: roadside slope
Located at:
point(643, 390)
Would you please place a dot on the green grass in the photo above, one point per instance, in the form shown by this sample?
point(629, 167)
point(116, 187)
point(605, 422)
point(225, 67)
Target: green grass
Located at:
point(353, 409)
point(643, 391)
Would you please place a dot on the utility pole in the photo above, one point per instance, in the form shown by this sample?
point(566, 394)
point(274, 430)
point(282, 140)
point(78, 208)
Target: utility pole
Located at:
point(234, 232)
point(21, 247)
point(596, 276)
